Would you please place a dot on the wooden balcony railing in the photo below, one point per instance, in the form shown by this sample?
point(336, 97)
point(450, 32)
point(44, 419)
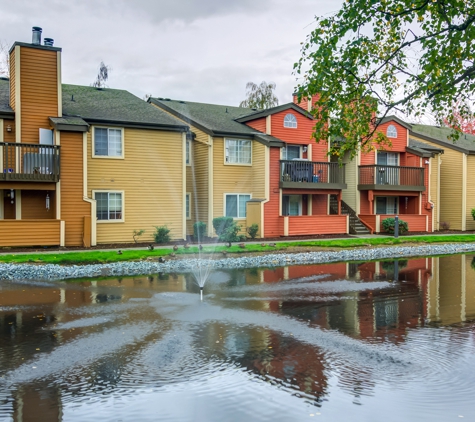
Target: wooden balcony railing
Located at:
point(29, 162)
point(382, 177)
point(311, 175)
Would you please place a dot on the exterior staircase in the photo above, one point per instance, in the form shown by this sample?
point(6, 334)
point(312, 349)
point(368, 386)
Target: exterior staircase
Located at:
point(356, 226)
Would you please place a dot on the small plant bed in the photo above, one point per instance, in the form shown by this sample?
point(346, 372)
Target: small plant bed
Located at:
point(215, 252)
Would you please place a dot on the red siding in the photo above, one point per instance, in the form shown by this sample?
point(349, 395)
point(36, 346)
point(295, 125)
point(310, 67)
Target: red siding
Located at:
point(258, 124)
point(271, 208)
point(317, 224)
point(416, 223)
point(319, 205)
point(398, 144)
point(369, 220)
point(301, 135)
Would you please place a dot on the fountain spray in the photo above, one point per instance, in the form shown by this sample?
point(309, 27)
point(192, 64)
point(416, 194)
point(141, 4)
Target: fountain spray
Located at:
point(201, 293)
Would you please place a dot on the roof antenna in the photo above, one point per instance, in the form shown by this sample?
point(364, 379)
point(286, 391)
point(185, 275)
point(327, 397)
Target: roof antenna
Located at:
point(226, 109)
point(72, 97)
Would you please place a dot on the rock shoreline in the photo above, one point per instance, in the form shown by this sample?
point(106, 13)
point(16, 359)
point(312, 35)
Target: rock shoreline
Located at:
point(54, 272)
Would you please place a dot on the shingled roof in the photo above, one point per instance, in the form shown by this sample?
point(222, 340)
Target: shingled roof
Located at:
point(441, 136)
point(214, 119)
point(5, 109)
point(114, 106)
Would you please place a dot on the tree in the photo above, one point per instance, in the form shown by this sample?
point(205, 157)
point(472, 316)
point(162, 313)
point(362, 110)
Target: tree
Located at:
point(4, 60)
point(409, 56)
point(462, 119)
point(102, 76)
point(260, 96)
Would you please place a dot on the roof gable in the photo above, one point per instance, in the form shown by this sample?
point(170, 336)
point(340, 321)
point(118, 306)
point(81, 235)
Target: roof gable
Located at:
point(273, 110)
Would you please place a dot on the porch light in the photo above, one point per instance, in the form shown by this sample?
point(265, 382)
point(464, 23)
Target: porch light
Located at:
point(47, 202)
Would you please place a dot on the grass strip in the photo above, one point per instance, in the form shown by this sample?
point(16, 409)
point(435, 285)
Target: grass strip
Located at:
point(103, 257)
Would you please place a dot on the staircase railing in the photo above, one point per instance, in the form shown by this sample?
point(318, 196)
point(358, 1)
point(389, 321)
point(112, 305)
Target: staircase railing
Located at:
point(346, 209)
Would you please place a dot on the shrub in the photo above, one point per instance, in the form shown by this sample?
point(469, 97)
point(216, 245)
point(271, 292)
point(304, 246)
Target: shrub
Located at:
point(473, 213)
point(162, 234)
point(231, 233)
point(445, 225)
point(221, 224)
point(199, 231)
point(388, 225)
point(252, 231)
point(137, 233)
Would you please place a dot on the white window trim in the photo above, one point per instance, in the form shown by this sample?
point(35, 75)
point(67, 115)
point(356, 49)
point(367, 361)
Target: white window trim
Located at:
point(234, 194)
point(237, 164)
point(188, 148)
point(296, 121)
point(122, 220)
point(300, 205)
point(387, 129)
point(188, 214)
point(108, 157)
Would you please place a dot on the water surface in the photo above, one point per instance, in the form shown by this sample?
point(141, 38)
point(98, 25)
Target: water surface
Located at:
point(369, 341)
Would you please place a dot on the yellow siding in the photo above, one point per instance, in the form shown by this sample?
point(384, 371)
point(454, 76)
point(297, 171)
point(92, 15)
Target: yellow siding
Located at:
point(451, 174)
point(198, 183)
point(39, 91)
point(469, 288)
point(29, 232)
point(434, 197)
point(152, 180)
point(73, 207)
point(12, 80)
point(470, 191)
point(237, 179)
point(351, 178)
point(189, 189)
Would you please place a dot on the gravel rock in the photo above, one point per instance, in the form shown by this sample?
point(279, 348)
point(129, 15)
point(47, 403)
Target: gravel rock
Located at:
point(59, 272)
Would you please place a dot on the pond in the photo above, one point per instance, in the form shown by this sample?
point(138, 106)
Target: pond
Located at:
point(372, 341)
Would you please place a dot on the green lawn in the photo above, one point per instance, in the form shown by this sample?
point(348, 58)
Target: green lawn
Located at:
point(95, 256)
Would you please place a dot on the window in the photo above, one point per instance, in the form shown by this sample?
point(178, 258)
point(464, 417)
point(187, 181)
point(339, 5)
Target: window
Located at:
point(292, 151)
point(292, 205)
point(387, 204)
point(188, 206)
point(391, 131)
point(238, 151)
point(188, 152)
point(108, 142)
point(236, 205)
point(387, 158)
point(290, 121)
point(109, 206)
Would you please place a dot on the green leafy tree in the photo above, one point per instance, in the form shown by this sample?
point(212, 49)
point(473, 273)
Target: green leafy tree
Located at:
point(409, 56)
point(260, 96)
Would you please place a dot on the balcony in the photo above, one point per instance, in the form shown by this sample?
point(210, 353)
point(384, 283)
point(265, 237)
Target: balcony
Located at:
point(29, 162)
point(303, 174)
point(382, 177)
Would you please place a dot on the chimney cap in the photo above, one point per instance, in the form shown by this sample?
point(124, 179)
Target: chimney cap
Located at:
point(49, 42)
point(37, 28)
point(36, 36)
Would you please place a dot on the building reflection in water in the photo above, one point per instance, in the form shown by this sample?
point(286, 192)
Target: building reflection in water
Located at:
point(426, 291)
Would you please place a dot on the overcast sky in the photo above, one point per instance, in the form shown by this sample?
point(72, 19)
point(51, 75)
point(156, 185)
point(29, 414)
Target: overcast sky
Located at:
point(204, 50)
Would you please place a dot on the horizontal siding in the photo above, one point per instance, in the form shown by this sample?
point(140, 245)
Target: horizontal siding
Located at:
point(29, 232)
point(33, 205)
point(369, 220)
point(451, 172)
point(272, 225)
point(302, 135)
point(321, 224)
point(415, 223)
point(200, 179)
point(39, 91)
point(12, 80)
point(236, 178)
point(258, 124)
point(8, 136)
point(151, 176)
point(470, 191)
point(73, 206)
